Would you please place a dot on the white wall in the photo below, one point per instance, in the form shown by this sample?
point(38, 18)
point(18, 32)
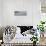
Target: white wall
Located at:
point(31, 6)
point(1, 17)
point(36, 12)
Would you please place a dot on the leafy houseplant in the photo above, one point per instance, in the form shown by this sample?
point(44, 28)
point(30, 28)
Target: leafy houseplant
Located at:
point(34, 39)
point(41, 27)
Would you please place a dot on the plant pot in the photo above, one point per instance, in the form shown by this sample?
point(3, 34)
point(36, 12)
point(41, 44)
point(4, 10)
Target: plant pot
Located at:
point(42, 34)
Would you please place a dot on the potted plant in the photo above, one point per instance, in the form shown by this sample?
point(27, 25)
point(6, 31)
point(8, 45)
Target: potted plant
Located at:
point(41, 27)
point(34, 39)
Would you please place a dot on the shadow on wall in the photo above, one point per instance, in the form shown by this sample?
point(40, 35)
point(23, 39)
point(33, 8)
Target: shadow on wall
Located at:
point(1, 32)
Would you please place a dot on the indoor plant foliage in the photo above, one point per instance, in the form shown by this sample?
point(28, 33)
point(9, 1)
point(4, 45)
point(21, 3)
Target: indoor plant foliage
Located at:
point(41, 27)
point(34, 39)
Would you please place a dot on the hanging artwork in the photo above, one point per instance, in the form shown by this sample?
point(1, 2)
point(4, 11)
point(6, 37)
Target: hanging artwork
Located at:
point(20, 13)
